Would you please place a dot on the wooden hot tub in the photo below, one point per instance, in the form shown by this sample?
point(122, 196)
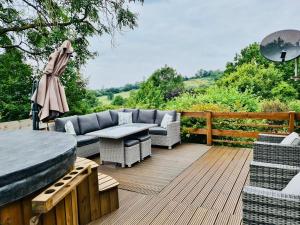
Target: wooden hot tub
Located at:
point(29, 162)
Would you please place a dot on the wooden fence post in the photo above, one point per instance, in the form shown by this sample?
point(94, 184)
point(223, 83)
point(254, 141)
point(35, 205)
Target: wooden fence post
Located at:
point(209, 127)
point(291, 121)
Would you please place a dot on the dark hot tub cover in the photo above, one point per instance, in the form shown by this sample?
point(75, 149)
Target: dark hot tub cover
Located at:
point(31, 160)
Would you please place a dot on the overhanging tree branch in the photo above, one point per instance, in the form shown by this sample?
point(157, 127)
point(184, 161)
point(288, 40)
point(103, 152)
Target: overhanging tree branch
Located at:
point(22, 49)
point(4, 30)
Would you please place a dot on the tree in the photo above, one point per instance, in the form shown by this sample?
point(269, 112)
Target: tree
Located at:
point(15, 86)
point(118, 100)
point(212, 74)
point(251, 54)
point(29, 32)
point(80, 100)
point(37, 27)
point(110, 96)
point(263, 82)
point(164, 84)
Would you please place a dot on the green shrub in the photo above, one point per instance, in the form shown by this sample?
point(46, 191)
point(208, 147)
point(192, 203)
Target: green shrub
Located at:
point(220, 98)
point(294, 105)
point(257, 80)
point(284, 91)
point(273, 106)
point(118, 100)
point(101, 108)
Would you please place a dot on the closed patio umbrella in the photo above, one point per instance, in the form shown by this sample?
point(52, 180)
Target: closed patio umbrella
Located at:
point(50, 94)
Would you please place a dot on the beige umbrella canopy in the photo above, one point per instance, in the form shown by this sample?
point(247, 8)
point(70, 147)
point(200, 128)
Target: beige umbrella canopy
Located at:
point(50, 94)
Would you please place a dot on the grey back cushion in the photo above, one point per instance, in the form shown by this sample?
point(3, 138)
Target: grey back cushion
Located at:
point(160, 115)
point(88, 123)
point(104, 119)
point(60, 124)
point(135, 114)
point(288, 140)
point(114, 115)
point(293, 186)
point(146, 116)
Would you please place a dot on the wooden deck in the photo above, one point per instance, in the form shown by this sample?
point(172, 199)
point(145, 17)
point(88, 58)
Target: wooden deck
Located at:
point(207, 192)
point(153, 174)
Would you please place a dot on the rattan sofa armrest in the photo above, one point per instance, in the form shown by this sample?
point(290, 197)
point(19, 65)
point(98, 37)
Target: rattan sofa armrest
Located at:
point(272, 176)
point(271, 138)
point(173, 128)
point(173, 125)
point(276, 153)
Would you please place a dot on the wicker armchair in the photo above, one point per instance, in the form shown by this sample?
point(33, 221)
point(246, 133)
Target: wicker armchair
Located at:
point(269, 150)
point(267, 206)
point(274, 166)
point(272, 176)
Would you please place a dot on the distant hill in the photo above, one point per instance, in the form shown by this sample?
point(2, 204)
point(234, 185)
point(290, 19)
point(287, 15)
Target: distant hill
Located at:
point(189, 83)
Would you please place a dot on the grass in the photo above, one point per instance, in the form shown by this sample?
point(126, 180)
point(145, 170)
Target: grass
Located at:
point(106, 101)
point(196, 83)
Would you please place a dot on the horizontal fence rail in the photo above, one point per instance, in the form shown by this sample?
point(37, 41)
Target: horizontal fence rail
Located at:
point(290, 118)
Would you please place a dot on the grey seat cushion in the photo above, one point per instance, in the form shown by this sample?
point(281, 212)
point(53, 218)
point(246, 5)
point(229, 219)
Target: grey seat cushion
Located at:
point(129, 143)
point(158, 131)
point(146, 116)
point(135, 114)
point(83, 140)
point(88, 123)
point(143, 138)
point(160, 115)
point(114, 115)
point(104, 119)
point(60, 124)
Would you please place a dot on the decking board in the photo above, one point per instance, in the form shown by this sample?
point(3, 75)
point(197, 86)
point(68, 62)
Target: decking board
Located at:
point(156, 172)
point(208, 192)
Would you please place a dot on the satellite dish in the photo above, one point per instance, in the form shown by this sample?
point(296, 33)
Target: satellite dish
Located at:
point(282, 46)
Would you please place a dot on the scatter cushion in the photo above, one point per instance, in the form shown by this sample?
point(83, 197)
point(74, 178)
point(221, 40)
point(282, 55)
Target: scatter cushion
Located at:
point(288, 140)
point(135, 114)
point(104, 119)
point(70, 128)
point(88, 123)
point(143, 138)
point(125, 117)
point(293, 186)
point(60, 124)
point(160, 115)
point(146, 116)
point(166, 120)
point(83, 140)
point(158, 131)
point(296, 142)
point(129, 143)
point(114, 115)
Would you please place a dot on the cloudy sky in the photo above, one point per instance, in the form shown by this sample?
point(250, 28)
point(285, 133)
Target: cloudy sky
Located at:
point(187, 35)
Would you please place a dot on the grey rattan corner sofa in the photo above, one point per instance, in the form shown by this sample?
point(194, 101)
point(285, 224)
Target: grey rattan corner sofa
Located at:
point(265, 201)
point(85, 125)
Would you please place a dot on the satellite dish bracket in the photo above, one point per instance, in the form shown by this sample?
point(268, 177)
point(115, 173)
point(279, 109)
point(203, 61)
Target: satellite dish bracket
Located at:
point(296, 77)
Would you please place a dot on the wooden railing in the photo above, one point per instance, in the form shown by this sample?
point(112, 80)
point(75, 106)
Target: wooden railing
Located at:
point(16, 125)
point(21, 124)
point(289, 124)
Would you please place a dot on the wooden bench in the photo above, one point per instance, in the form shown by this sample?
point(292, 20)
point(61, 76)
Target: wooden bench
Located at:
point(108, 194)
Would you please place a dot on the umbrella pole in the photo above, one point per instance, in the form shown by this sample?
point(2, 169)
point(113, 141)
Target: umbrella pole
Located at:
point(35, 109)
